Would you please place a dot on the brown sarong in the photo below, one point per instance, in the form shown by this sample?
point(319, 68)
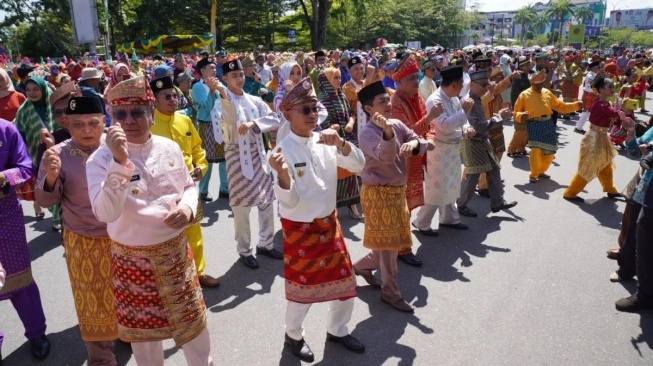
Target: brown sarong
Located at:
point(158, 295)
point(387, 219)
point(214, 151)
point(596, 152)
point(89, 268)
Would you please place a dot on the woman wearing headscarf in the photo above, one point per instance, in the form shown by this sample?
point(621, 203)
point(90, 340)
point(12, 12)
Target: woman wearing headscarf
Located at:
point(34, 121)
point(10, 99)
point(341, 114)
point(119, 73)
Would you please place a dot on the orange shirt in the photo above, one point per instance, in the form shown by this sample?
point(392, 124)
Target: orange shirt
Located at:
point(9, 105)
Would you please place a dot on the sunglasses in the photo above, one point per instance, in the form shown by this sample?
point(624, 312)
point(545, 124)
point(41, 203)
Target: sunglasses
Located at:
point(170, 96)
point(58, 113)
point(121, 115)
point(306, 110)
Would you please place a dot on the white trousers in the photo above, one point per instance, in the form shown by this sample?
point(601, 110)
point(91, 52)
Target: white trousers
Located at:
point(244, 233)
point(339, 315)
point(448, 215)
point(582, 119)
point(197, 352)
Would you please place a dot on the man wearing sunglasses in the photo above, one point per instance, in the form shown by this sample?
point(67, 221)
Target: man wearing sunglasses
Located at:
point(478, 155)
point(316, 266)
point(180, 129)
point(244, 119)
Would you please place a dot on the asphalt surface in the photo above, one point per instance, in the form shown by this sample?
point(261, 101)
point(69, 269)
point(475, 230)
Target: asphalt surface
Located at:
point(525, 287)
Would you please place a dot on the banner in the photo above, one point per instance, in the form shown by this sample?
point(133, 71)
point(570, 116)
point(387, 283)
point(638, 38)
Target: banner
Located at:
point(635, 18)
point(576, 34)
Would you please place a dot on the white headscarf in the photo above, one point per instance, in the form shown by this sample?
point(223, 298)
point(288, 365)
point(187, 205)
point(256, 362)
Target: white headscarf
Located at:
point(284, 74)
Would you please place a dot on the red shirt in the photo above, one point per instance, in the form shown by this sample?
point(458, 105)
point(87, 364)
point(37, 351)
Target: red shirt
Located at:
point(9, 105)
point(603, 114)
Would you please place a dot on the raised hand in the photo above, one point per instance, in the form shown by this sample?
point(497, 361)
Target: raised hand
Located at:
point(407, 149)
point(505, 113)
point(330, 137)
point(117, 142)
point(435, 112)
point(277, 161)
point(468, 103)
point(51, 163)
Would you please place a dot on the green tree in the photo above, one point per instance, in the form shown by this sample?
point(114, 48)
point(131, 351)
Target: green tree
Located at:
point(524, 16)
point(559, 10)
point(584, 14)
point(540, 22)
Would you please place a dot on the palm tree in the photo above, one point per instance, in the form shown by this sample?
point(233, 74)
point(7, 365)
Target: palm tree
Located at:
point(525, 15)
point(540, 22)
point(560, 10)
point(584, 14)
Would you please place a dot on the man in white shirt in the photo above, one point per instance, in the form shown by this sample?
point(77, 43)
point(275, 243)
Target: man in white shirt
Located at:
point(589, 95)
point(427, 85)
point(317, 267)
point(263, 70)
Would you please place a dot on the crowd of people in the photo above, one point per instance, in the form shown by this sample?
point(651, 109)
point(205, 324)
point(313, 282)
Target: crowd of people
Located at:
point(122, 154)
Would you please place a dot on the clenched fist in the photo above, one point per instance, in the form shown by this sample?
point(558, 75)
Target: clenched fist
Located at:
point(468, 103)
point(435, 112)
point(116, 140)
point(51, 163)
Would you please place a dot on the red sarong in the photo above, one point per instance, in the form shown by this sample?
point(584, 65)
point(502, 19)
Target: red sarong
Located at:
point(588, 100)
point(317, 266)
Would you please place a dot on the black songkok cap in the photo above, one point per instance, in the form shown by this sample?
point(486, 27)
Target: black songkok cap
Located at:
point(161, 84)
point(203, 62)
point(593, 64)
point(233, 65)
point(320, 54)
point(451, 73)
point(369, 92)
point(84, 105)
point(354, 61)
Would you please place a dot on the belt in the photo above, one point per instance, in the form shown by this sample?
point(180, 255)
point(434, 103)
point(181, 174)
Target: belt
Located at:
point(200, 121)
point(540, 119)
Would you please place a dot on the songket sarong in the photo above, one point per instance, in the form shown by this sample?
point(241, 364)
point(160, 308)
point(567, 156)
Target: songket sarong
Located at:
point(90, 271)
point(443, 172)
point(214, 151)
point(348, 191)
point(242, 191)
point(14, 253)
point(497, 139)
point(588, 100)
point(387, 218)
point(478, 156)
point(158, 295)
point(199, 214)
point(415, 182)
point(596, 152)
point(542, 135)
point(317, 266)
point(567, 89)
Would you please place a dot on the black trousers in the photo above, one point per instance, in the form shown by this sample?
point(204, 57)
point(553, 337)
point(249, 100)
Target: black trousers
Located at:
point(627, 253)
point(645, 255)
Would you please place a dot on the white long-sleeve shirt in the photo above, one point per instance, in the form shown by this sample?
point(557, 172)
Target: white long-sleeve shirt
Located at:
point(313, 177)
point(450, 124)
point(134, 198)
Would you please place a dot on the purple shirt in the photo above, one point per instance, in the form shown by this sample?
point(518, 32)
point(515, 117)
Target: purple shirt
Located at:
point(15, 162)
point(383, 164)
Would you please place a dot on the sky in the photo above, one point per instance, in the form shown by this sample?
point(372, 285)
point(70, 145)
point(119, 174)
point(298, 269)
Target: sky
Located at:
point(499, 5)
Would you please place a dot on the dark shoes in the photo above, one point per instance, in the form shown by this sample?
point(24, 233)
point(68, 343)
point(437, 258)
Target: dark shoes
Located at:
point(300, 349)
point(411, 260)
point(223, 195)
point(40, 347)
point(515, 155)
point(504, 206)
point(368, 277)
point(208, 281)
point(206, 197)
point(574, 199)
point(56, 228)
point(466, 211)
point(615, 195)
point(458, 226)
point(544, 176)
point(484, 193)
point(578, 130)
point(349, 342)
point(249, 261)
point(429, 232)
point(399, 304)
point(272, 253)
point(633, 304)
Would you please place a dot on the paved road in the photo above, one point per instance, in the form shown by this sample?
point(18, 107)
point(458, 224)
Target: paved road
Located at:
point(525, 287)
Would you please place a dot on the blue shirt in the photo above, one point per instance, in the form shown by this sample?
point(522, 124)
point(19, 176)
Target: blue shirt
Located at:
point(344, 75)
point(204, 101)
point(389, 83)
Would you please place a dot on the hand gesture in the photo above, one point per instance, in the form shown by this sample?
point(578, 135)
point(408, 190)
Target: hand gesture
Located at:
point(288, 84)
point(277, 161)
point(468, 103)
point(435, 112)
point(46, 137)
point(178, 217)
point(349, 127)
point(580, 105)
point(245, 127)
point(505, 113)
point(116, 140)
point(330, 137)
point(196, 174)
point(470, 132)
point(552, 64)
point(407, 149)
point(51, 163)
point(381, 121)
point(516, 74)
point(524, 117)
point(262, 91)
point(257, 78)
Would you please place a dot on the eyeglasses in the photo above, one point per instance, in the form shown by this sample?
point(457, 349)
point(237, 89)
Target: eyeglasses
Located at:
point(306, 110)
point(170, 96)
point(58, 113)
point(483, 84)
point(121, 114)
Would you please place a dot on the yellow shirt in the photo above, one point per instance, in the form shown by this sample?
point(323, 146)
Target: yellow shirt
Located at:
point(540, 105)
point(180, 129)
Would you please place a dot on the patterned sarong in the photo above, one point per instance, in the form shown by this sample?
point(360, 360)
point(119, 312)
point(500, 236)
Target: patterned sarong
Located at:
point(596, 152)
point(497, 139)
point(348, 191)
point(89, 268)
point(542, 135)
point(415, 181)
point(242, 191)
point(214, 151)
point(14, 252)
point(387, 219)
point(567, 90)
point(317, 266)
point(588, 100)
point(478, 156)
point(158, 295)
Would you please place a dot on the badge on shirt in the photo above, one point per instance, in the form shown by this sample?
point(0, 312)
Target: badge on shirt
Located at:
point(299, 165)
point(300, 172)
point(135, 178)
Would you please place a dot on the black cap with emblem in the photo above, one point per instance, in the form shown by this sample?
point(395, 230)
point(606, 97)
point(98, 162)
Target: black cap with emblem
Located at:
point(233, 65)
point(161, 84)
point(354, 61)
point(84, 105)
point(204, 62)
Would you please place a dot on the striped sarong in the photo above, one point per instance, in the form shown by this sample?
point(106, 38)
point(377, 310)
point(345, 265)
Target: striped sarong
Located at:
point(214, 151)
point(348, 192)
point(317, 266)
point(158, 295)
point(542, 135)
point(387, 218)
point(90, 271)
point(242, 191)
point(478, 156)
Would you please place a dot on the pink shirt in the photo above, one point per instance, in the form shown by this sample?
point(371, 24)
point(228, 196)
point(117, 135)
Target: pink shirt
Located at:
point(134, 199)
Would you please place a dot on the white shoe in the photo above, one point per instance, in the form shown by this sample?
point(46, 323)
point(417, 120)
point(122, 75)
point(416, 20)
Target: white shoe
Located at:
point(614, 277)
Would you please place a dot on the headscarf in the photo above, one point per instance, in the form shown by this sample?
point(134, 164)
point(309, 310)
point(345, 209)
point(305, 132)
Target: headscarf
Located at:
point(32, 117)
point(114, 77)
point(333, 100)
point(6, 86)
point(284, 74)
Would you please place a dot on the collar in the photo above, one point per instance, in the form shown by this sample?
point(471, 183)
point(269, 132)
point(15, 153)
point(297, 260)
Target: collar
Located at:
point(162, 117)
point(141, 147)
point(302, 140)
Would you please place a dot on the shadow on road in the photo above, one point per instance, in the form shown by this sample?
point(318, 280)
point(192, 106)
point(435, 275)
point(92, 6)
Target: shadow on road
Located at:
point(44, 243)
point(212, 209)
point(542, 189)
